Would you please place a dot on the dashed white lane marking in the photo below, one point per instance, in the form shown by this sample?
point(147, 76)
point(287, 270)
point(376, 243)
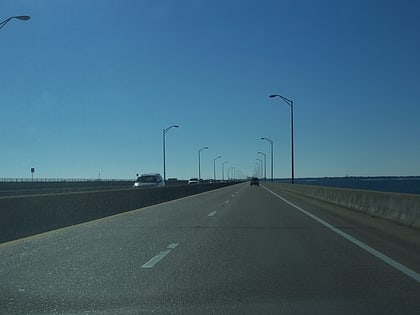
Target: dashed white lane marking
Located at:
point(211, 214)
point(400, 267)
point(152, 262)
point(227, 201)
point(233, 196)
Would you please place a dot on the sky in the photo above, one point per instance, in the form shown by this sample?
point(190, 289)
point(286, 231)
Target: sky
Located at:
point(87, 87)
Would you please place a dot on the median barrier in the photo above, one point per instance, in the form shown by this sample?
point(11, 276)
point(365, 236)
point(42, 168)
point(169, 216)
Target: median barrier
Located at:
point(401, 208)
point(22, 216)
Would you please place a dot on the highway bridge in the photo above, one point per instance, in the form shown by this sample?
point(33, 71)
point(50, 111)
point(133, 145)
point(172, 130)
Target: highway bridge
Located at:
point(234, 250)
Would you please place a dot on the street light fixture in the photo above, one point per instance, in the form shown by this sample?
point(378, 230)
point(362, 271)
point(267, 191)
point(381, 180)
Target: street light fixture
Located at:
point(271, 142)
point(223, 170)
point(165, 131)
point(265, 164)
point(290, 103)
point(214, 166)
point(19, 17)
point(199, 162)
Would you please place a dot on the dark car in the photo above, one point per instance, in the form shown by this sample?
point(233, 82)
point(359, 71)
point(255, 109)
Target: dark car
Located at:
point(255, 181)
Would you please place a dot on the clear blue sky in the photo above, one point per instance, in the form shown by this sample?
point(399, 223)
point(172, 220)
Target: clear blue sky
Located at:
point(88, 86)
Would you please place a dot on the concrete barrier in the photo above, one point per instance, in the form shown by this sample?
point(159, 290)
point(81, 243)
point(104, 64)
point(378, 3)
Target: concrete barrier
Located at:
point(28, 215)
point(54, 187)
point(401, 208)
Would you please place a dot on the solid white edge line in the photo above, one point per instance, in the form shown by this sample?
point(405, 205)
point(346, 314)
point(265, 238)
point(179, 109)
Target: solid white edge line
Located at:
point(400, 267)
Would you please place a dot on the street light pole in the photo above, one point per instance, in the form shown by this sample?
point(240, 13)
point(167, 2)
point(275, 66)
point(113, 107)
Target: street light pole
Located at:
point(257, 169)
point(231, 171)
point(214, 166)
point(164, 149)
point(262, 168)
point(265, 164)
point(19, 17)
point(290, 103)
point(223, 170)
point(271, 142)
point(199, 162)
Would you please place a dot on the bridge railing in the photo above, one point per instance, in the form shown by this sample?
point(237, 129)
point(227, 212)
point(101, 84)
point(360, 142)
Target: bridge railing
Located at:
point(42, 180)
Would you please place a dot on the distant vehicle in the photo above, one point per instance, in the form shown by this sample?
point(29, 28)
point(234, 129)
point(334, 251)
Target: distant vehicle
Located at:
point(193, 181)
point(149, 180)
point(255, 181)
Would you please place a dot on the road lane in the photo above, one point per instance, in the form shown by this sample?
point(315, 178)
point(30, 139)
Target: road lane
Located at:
point(388, 260)
point(394, 240)
point(255, 254)
point(97, 262)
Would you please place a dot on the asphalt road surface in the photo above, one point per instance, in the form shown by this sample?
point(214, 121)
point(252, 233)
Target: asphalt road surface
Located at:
point(235, 250)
